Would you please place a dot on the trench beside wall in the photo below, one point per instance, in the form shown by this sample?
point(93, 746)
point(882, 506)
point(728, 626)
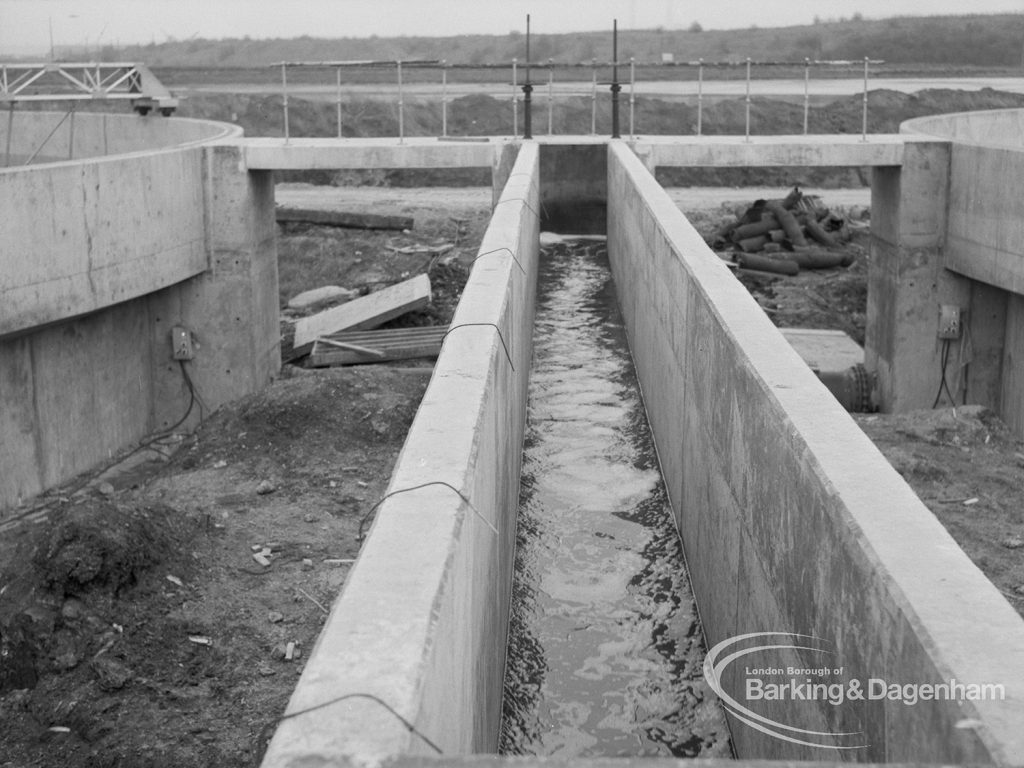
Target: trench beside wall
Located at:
point(422, 622)
point(791, 520)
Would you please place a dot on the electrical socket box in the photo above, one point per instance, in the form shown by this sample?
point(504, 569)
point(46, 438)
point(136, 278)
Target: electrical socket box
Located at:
point(181, 343)
point(949, 321)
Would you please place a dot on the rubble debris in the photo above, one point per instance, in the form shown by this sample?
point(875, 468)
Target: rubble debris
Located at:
point(265, 487)
point(366, 312)
point(312, 599)
point(318, 297)
point(768, 264)
point(111, 674)
point(262, 557)
point(346, 219)
point(794, 233)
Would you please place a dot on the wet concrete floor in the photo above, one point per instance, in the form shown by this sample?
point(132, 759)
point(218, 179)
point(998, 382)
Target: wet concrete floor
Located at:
point(605, 647)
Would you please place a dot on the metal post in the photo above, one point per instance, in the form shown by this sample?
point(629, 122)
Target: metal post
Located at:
point(864, 130)
point(700, 95)
point(10, 131)
point(807, 91)
point(444, 97)
point(71, 134)
point(593, 101)
point(632, 95)
point(49, 136)
point(338, 69)
point(515, 99)
point(551, 97)
point(747, 134)
point(527, 90)
point(615, 80)
point(284, 96)
point(401, 106)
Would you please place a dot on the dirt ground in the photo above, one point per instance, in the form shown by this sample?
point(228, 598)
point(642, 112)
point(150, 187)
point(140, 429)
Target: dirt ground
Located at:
point(139, 629)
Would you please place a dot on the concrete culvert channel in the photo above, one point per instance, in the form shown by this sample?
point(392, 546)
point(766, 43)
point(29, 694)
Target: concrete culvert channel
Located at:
point(605, 645)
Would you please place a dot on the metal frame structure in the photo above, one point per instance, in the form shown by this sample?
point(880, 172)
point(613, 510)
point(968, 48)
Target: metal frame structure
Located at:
point(67, 81)
point(527, 87)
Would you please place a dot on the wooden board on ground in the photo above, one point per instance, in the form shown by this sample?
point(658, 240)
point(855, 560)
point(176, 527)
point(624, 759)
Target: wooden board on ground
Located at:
point(824, 350)
point(356, 347)
point(368, 311)
point(348, 219)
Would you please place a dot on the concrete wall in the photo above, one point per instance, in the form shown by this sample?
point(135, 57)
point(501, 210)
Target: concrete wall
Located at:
point(422, 621)
point(737, 151)
point(994, 128)
point(948, 228)
point(330, 154)
point(791, 520)
point(80, 236)
point(81, 135)
point(574, 187)
point(99, 259)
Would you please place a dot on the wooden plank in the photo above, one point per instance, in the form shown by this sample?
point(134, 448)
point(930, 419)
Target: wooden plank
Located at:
point(391, 344)
point(387, 336)
point(348, 219)
point(365, 312)
point(349, 345)
point(824, 350)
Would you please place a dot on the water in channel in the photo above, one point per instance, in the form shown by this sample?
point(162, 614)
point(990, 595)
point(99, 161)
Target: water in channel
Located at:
point(605, 649)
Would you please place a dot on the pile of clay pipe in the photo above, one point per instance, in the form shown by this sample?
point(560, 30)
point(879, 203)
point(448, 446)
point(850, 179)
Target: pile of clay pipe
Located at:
point(785, 236)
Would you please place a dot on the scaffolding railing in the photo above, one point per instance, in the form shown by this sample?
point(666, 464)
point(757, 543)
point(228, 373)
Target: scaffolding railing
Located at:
point(82, 81)
point(683, 82)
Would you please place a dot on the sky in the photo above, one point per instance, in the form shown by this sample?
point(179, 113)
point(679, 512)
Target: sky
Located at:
point(25, 25)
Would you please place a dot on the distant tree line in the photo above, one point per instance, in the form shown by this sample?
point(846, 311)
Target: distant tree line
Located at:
point(995, 40)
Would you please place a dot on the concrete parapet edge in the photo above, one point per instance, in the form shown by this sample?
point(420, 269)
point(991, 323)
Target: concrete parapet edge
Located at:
point(421, 624)
point(792, 521)
point(78, 135)
point(815, 150)
point(331, 154)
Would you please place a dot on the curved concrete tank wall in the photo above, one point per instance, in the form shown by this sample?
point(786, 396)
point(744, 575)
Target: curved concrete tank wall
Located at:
point(55, 136)
point(99, 259)
point(996, 128)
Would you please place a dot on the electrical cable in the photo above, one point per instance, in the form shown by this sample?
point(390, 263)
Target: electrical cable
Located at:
point(146, 444)
point(192, 399)
point(386, 496)
point(492, 325)
point(522, 200)
point(965, 354)
point(265, 736)
point(943, 384)
point(499, 250)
